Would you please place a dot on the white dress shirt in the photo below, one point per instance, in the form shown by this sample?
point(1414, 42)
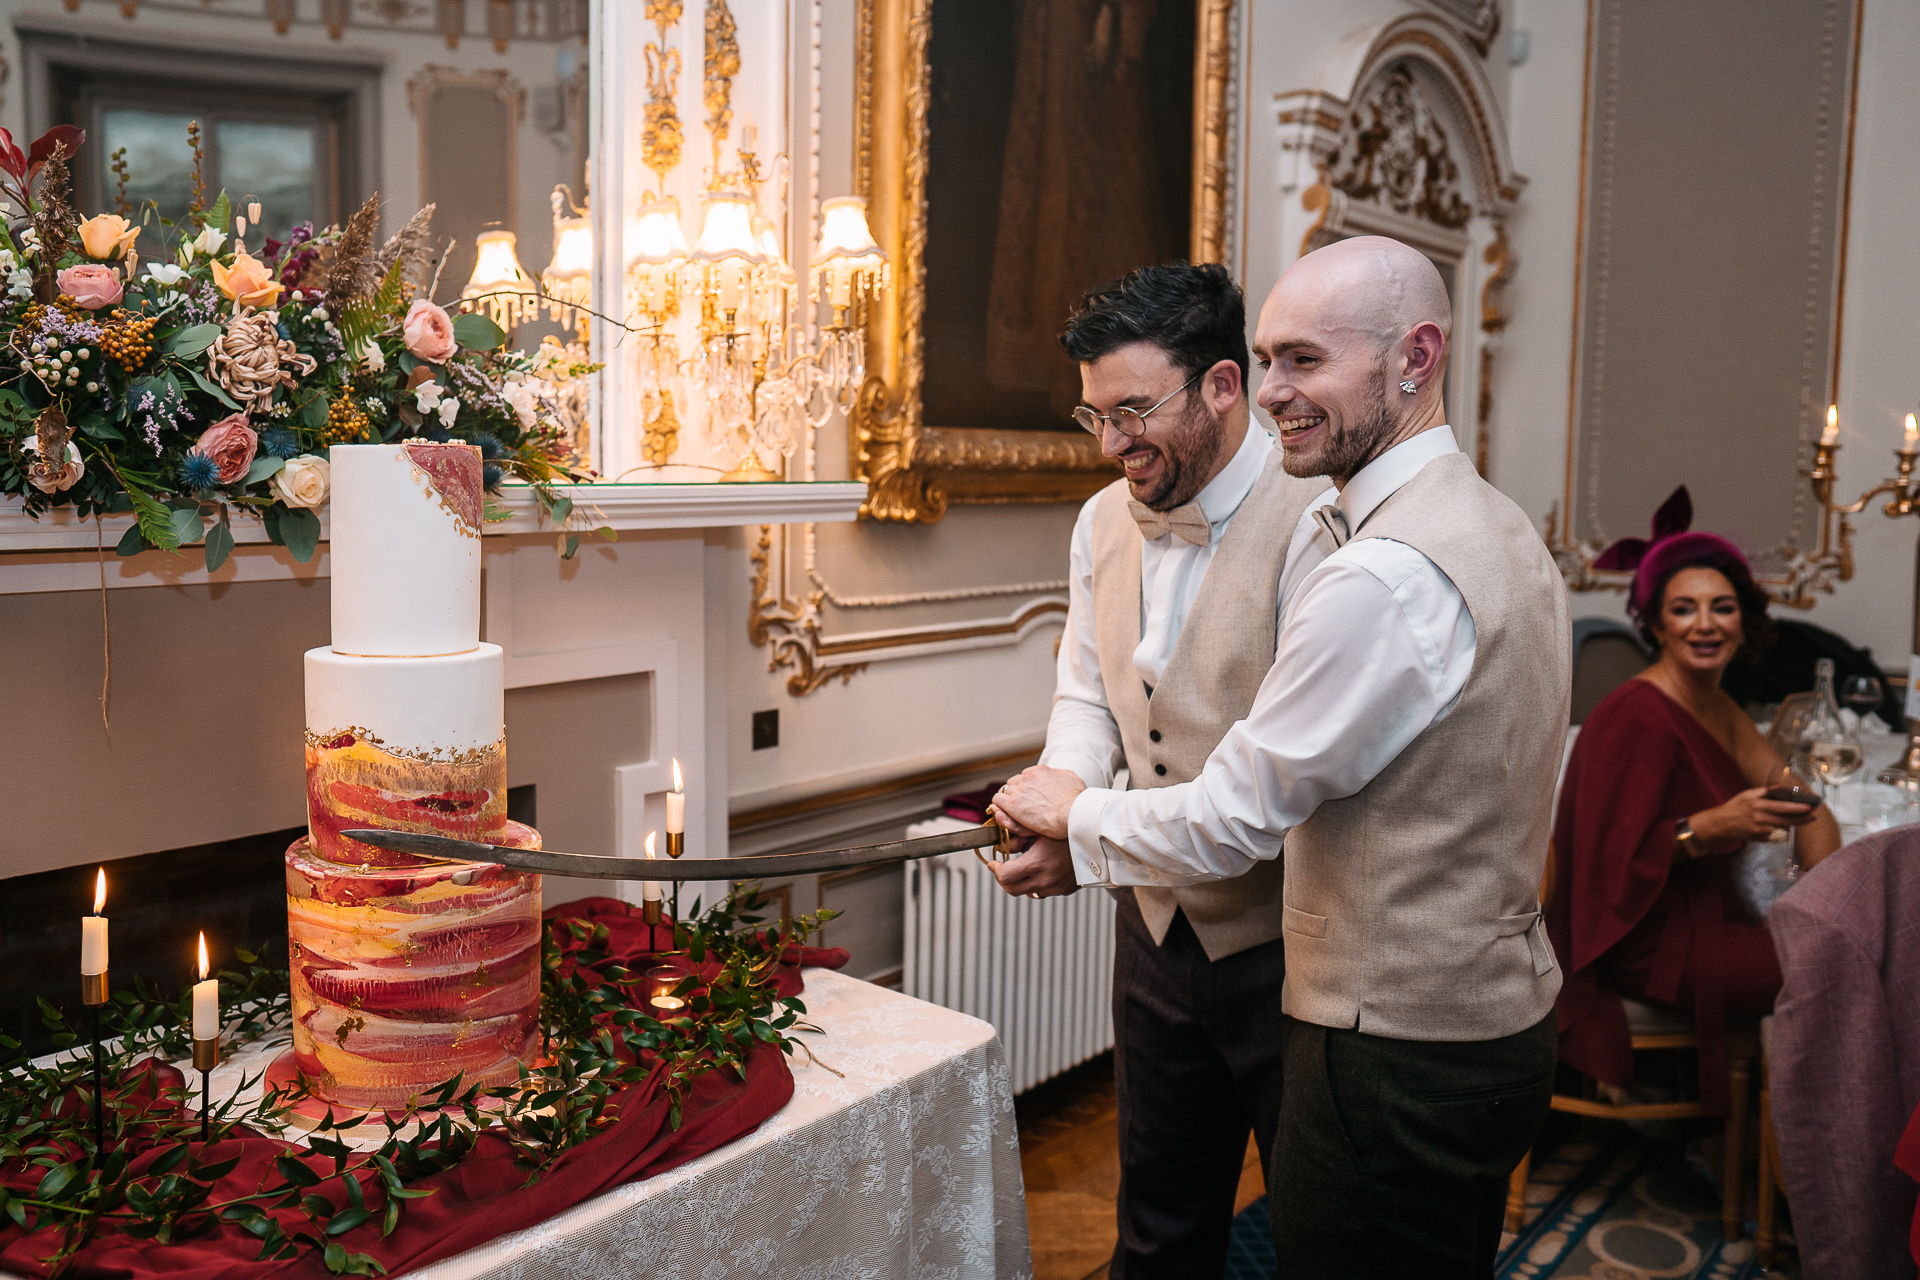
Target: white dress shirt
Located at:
point(1081, 734)
point(1375, 645)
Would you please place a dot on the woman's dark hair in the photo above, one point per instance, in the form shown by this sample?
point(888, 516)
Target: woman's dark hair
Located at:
point(1196, 314)
point(1756, 628)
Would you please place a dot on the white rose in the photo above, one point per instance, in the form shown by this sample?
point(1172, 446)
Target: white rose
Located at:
point(427, 395)
point(524, 399)
point(303, 482)
point(448, 409)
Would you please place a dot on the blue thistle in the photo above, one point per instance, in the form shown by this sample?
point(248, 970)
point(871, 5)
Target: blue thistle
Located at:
point(280, 442)
point(438, 435)
point(492, 474)
point(198, 472)
point(490, 447)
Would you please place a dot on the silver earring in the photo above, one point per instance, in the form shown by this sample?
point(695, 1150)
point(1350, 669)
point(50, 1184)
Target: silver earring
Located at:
point(1409, 386)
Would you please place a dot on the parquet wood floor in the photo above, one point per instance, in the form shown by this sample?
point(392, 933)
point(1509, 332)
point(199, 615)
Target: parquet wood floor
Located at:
point(1070, 1158)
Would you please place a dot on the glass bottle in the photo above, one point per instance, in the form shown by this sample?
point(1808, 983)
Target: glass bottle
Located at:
point(1824, 749)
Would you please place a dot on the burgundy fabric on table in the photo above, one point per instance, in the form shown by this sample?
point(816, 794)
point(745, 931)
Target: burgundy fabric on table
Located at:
point(1844, 1057)
point(1624, 917)
point(486, 1195)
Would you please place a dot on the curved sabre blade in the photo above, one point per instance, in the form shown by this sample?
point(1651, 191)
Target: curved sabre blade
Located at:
point(587, 866)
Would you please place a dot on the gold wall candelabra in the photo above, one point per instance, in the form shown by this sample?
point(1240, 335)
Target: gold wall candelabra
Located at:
point(1904, 501)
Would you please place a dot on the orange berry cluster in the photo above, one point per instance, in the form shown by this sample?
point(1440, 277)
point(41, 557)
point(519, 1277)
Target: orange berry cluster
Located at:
point(128, 338)
point(346, 421)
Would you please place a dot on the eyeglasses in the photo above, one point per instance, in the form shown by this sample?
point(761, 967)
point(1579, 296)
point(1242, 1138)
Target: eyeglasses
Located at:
point(1131, 422)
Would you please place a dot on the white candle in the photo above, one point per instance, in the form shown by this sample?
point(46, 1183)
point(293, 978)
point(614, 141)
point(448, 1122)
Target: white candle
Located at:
point(1832, 434)
point(93, 931)
point(677, 803)
point(1912, 442)
point(650, 889)
point(206, 1000)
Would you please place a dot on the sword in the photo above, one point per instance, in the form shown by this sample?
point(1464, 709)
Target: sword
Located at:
point(587, 866)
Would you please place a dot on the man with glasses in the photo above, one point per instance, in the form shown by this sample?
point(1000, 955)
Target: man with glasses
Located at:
point(1175, 602)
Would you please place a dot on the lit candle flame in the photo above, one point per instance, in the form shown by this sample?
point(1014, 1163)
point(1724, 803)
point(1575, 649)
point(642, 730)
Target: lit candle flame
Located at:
point(1913, 431)
point(1832, 434)
point(1833, 415)
point(203, 957)
point(650, 844)
point(679, 784)
point(100, 881)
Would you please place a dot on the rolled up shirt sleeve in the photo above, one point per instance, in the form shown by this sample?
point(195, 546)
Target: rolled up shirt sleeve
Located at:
point(1081, 733)
point(1376, 646)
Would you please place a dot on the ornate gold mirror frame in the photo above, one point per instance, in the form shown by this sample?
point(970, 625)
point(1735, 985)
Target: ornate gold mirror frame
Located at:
point(913, 471)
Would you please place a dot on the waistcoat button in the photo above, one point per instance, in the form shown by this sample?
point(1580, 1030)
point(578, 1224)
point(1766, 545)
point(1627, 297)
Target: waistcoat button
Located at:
point(1160, 769)
point(1154, 734)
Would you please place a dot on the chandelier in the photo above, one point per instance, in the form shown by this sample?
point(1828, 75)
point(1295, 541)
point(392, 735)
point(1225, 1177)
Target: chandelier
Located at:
point(765, 379)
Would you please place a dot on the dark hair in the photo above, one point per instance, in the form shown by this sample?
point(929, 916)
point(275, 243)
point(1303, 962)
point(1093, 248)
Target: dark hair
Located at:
point(1756, 628)
point(1196, 314)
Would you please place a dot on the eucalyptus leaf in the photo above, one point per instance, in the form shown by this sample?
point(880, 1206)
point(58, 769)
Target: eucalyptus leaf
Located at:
point(131, 543)
point(263, 468)
point(219, 546)
point(187, 527)
point(193, 340)
point(477, 332)
point(211, 389)
point(301, 530)
point(313, 414)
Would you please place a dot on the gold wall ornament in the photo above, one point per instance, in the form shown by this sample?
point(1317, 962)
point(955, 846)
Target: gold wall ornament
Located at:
point(661, 137)
point(662, 433)
point(1394, 152)
point(721, 65)
point(1212, 79)
point(912, 471)
point(790, 628)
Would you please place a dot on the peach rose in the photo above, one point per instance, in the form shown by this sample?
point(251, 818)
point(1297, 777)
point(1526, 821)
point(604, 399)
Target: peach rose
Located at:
point(107, 235)
point(93, 287)
point(429, 332)
point(303, 482)
point(248, 282)
point(230, 442)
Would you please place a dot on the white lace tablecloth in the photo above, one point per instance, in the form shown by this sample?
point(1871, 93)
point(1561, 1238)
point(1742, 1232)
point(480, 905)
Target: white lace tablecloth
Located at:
point(907, 1167)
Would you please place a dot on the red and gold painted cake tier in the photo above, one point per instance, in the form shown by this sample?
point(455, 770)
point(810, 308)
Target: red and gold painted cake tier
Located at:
point(354, 780)
point(403, 976)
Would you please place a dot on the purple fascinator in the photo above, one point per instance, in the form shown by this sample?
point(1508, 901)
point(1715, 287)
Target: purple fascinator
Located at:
point(1672, 545)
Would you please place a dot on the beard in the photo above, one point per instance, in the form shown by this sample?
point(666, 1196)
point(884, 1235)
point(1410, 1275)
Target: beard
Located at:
point(1189, 452)
point(1350, 447)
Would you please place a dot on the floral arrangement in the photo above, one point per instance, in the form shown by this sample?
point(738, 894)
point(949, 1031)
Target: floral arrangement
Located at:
point(215, 381)
point(155, 1179)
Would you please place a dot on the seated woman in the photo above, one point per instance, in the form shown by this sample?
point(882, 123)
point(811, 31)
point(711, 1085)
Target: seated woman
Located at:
point(1667, 779)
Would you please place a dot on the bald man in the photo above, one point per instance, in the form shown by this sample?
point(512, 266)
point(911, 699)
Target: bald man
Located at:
point(1399, 757)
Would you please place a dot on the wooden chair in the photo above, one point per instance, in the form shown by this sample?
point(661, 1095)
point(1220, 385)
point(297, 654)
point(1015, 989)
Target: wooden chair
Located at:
point(1770, 1189)
point(1654, 1027)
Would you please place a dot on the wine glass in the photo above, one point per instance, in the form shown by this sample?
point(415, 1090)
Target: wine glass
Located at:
point(1784, 784)
point(1862, 693)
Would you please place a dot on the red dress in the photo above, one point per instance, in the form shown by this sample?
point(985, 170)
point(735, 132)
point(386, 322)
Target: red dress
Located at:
point(1625, 919)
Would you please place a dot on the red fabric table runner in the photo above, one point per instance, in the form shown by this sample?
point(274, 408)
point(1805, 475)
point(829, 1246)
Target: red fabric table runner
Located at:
point(485, 1196)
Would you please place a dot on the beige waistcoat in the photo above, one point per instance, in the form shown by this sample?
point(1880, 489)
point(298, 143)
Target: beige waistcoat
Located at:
point(1224, 651)
point(1413, 907)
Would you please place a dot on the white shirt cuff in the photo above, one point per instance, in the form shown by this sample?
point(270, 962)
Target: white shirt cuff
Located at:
point(1089, 770)
point(1083, 835)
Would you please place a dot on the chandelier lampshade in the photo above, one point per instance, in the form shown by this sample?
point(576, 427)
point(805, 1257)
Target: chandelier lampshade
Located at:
point(499, 286)
point(847, 260)
point(568, 279)
point(661, 258)
point(727, 252)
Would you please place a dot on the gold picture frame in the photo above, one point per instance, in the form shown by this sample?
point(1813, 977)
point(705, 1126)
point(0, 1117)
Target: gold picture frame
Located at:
point(914, 471)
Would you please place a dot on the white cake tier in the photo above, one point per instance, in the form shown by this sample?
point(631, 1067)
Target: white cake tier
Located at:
point(405, 550)
point(424, 708)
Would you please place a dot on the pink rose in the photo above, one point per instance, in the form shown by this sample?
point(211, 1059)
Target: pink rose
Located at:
point(230, 442)
point(428, 331)
point(91, 285)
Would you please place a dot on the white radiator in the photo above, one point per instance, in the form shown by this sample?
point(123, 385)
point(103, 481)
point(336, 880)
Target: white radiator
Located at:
point(1040, 971)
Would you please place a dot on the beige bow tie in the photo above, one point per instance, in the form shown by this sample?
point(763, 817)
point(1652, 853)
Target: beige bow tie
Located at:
point(1189, 521)
point(1334, 521)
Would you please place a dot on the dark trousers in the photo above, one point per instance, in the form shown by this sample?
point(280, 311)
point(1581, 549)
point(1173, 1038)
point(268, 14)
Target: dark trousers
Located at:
point(1197, 1057)
point(1393, 1155)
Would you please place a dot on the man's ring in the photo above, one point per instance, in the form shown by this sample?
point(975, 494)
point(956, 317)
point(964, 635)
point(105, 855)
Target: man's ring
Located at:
point(1034, 896)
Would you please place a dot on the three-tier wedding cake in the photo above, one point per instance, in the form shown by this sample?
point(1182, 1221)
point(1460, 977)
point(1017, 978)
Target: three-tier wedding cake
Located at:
point(406, 971)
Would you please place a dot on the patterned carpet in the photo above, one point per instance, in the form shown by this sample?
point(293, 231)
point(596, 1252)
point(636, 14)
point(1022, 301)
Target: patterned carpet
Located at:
point(1623, 1207)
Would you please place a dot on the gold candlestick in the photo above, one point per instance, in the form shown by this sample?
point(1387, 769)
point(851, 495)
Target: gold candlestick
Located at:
point(93, 989)
point(1904, 501)
point(676, 843)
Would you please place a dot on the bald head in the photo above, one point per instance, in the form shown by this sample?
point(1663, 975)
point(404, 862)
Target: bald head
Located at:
point(1344, 335)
